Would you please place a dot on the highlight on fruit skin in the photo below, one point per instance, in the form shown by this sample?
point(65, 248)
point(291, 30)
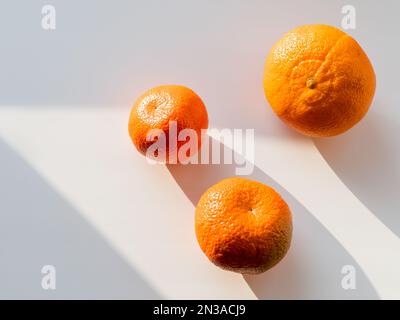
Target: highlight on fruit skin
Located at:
point(169, 110)
point(319, 80)
point(243, 225)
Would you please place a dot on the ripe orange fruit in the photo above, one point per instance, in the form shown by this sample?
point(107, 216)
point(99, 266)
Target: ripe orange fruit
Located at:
point(158, 108)
point(318, 80)
point(243, 225)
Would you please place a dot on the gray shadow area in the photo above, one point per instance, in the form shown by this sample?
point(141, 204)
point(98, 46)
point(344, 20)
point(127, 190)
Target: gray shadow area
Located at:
point(366, 159)
point(104, 53)
point(312, 267)
point(38, 227)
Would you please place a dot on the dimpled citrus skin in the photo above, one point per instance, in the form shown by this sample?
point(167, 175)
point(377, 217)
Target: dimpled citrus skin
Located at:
point(318, 80)
point(243, 225)
point(160, 105)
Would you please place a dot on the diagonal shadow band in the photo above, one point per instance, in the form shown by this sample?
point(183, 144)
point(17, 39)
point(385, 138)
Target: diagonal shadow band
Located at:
point(38, 227)
point(312, 268)
point(366, 159)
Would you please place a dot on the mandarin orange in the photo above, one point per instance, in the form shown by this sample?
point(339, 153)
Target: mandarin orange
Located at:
point(243, 225)
point(319, 80)
point(161, 106)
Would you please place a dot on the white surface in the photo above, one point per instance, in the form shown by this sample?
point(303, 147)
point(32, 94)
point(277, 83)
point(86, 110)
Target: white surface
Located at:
point(78, 196)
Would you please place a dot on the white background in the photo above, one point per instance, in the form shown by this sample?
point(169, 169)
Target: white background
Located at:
point(75, 194)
